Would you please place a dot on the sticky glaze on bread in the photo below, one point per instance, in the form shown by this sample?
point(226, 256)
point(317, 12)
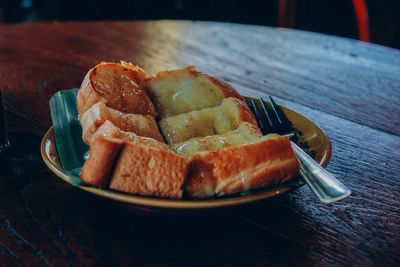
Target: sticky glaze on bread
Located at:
point(117, 86)
point(183, 90)
point(205, 122)
point(244, 134)
point(199, 112)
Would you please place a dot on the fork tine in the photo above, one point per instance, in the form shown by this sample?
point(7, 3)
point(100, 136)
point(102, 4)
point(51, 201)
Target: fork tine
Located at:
point(275, 108)
point(283, 120)
point(259, 118)
point(266, 112)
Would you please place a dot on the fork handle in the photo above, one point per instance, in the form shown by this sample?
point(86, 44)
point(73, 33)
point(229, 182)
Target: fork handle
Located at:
point(325, 186)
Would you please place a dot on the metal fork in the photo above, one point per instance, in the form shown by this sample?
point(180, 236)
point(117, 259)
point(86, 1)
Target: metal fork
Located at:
point(325, 186)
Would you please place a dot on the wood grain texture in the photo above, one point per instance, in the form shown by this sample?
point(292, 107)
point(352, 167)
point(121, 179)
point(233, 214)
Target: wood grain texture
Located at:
point(349, 88)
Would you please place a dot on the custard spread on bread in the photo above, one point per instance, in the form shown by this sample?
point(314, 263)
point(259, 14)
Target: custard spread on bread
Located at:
point(180, 91)
point(213, 144)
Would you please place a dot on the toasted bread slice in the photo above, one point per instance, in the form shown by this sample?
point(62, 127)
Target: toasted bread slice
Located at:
point(142, 125)
point(149, 171)
point(183, 90)
point(108, 129)
point(97, 168)
point(134, 168)
point(236, 169)
point(117, 86)
point(209, 121)
point(246, 133)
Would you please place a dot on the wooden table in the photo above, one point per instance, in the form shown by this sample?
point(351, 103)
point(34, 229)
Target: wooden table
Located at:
point(351, 89)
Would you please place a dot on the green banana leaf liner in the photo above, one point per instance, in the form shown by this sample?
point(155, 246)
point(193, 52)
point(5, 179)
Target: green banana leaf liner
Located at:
point(73, 152)
point(68, 134)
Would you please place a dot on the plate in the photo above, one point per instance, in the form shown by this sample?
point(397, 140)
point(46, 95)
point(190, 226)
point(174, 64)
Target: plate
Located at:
point(65, 156)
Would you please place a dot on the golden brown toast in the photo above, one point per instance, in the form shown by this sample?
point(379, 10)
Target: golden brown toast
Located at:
point(108, 129)
point(183, 90)
point(236, 169)
point(149, 171)
point(246, 133)
point(142, 125)
point(205, 122)
point(134, 168)
point(117, 86)
point(97, 168)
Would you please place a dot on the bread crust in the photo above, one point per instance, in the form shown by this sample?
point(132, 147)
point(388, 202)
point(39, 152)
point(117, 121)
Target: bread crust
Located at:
point(134, 168)
point(98, 167)
point(149, 171)
point(117, 86)
point(240, 168)
point(141, 125)
point(108, 129)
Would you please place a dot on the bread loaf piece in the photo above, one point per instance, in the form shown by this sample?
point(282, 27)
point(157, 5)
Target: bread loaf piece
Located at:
point(117, 86)
point(236, 169)
point(149, 171)
point(97, 168)
point(246, 133)
point(205, 122)
point(142, 125)
point(183, 90)
point(134, 168)
point(108, 129)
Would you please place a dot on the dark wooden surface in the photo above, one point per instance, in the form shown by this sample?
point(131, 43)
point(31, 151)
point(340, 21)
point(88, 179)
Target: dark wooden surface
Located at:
point(351, 89)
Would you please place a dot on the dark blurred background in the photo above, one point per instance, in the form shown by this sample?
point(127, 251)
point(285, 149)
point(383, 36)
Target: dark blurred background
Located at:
point(369, 20)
